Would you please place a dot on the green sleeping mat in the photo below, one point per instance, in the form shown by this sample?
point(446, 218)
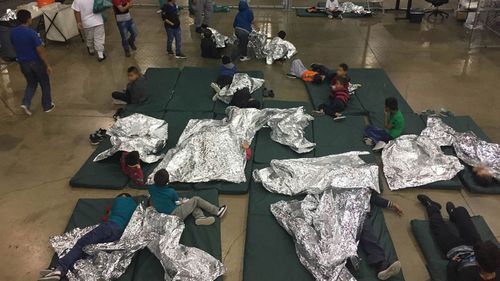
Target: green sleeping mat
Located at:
point(266, 149)
point(376, 87)
point(104, 174)
point(319, 94)
point(270, 251)
point(192, 91)
point(334, 137)
point(220, 107)
point(301, 12)
point(145, 266)
point(436, 262)
point(161, 83)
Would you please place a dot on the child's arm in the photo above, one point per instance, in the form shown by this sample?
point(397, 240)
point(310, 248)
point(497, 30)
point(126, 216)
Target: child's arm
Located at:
point(387, 123)
point(169, 22)
point(138, 177)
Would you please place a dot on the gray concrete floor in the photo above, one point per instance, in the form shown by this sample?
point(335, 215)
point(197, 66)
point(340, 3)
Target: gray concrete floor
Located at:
point(430, 65)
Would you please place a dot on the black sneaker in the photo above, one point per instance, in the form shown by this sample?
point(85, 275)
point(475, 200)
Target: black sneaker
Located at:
point(170, 53)
point(132, 44)
point(95, 139)
point(127, 53)
point(52, 106)
point(222, 211)
point(205, 26)
point(450, 207)
point(101, 132)
point(180, 56)
point(426, 201)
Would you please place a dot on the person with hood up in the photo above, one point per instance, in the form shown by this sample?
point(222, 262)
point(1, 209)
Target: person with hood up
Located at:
point(243, 23)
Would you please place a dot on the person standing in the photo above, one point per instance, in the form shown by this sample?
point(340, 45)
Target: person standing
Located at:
point(92, 26)
point(170, 16)
point(202, 14)
point(243, 24)
point(33, 61)
point(125, 24)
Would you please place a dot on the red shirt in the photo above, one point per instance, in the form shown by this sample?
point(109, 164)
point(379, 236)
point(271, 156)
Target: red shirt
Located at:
point(248, 153)
point(117, 3)
point(134, 173)
point(334, 81)
point(341, 94)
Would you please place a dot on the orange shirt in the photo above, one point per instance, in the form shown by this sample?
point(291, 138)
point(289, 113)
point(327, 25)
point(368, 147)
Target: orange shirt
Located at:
point(308, 75)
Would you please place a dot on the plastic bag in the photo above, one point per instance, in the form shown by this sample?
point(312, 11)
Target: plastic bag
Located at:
point(102, 5)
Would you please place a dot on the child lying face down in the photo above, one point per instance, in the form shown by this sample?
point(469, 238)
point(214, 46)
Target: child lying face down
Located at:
point(165, 200)
point(483, 176)
point(136, 88)
point(298, 70)
point(337, 101)
point(130, 163)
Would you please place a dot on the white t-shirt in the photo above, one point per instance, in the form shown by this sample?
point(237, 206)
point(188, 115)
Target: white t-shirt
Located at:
point(86, 9)
point(332, 5)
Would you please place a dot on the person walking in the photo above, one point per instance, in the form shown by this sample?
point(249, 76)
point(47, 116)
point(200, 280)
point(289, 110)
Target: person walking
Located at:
point(92, 26)
point(125, 24)
point(202, 14)
point(33, 61)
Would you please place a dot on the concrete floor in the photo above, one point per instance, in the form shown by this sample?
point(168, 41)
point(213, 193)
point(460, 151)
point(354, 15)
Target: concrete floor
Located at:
point(430, 65)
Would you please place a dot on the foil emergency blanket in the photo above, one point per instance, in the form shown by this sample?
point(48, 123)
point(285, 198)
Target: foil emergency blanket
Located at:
point(9, 15)
point(212, 149)
point(277, 49)
point(476, 152)
point(240, 81)
point(439, 132)
point(219, 38)
point(411, 161)
point(256, 43)
point(349, 7)
point(325, 228)
point(159, 232)
point(137, 132)
point(314, 175)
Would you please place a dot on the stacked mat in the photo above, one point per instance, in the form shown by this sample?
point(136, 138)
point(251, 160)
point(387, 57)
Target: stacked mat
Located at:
point(436, 262)
point(270, 251)
point(145, 266)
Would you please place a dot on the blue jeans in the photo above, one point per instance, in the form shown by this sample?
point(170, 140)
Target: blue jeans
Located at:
point(126, 27)
point(104, 233)
point(174, 33)
point(35, 73)
point(377, 134)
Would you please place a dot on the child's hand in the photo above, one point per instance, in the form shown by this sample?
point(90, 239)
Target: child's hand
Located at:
point(245, 145)
point(397, 209)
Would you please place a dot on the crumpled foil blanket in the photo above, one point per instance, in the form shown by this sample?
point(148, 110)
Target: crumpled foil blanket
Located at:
point(9, 15)
point(439, 132)
point(256, 42)
point(277, 49)
point(411, 161)
point(159, 232)
point(219, 38)
point(325, 228)
point(240, 81)
point(349, 7)
point(137, 132)
point(212, 149)
point(315, 175)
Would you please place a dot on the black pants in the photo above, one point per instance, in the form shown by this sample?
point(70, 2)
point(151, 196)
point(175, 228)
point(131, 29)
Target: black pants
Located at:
point(242, 36)
point(332, 107)
point(442, 234)
point(369, 244)
point(243, 99)
point(323, 70)
point(123, 96)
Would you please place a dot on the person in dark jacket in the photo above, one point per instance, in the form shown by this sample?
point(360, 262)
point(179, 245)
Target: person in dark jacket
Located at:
point(469, 258)
point(170, 16)
point(208, 46)
point(243, 24)
point(243, 99)
point(337, 102)
point(136, 88)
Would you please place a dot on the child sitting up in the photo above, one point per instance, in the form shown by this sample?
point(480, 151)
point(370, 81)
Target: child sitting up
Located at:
point(298, 70)
point(208, 46)
point(337, 101)
point(135, 91)
point(165, 200)
point(130, 163)
point(394, 124)
point(226, 74)
point(341, 71)
point(332, 9)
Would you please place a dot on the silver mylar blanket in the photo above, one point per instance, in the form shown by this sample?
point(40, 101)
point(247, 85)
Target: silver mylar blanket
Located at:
point(278, 48)
point(137, 132)
point(411, 161)
point(212, 149)
point(159, 232)
point(349, 7)
point(314, 175)
point(240, 81)
point(256, 43)
point(9, 15)
point(325, 228)
point(219, 38)
point(438, 131)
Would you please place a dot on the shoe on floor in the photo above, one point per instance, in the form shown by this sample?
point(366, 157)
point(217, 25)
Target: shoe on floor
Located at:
point(26, 110)
point(340, 117)
point(118, 102)
point(205, 221)
point(100, 59)
point(180, 56)
point(222, 211)
point(101, 132)
point(132, 44)
point(317, 113)
point(330, 16)
point(244, 58)
point(46, 271)
point(215, 87)
point(291, 76)
point(379, 146)
point(426, 201)
point(91, 52)
point(170, 53)
point(52, 106)
point(450, 207)
point(54, 275)
point(95, 139)
point(368, 141)
point(389, 272)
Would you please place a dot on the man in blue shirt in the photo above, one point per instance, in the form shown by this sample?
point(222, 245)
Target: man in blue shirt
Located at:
point(111, 230)
point(33, 61)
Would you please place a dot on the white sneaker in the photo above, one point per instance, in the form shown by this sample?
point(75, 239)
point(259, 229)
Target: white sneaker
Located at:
point(214, 98)
point(339, 118)
point(330, 16)
point(215, 87)
point(26, 110)
point(368, 141)
point(118, 102)
point(205, 221)
point(379, 146)
point(52, 106)
point(245, 58)
point(392, 270)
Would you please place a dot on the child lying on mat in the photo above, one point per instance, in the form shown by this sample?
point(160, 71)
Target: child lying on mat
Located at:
point(394, 125)
point(110, 230)
point(469, 258)
point(320, 72)
point(135, 91)
point(130, 163)
point(337, 101)
point(165, 200)
point(298, 70)
point(483, 176)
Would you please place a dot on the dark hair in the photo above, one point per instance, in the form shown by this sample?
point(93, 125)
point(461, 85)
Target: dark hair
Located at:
point(485, 180)
point(342, 80)
point(161, 177)
point(487, 256)
point(133, 69)
point(317, 79)
point(23, 16)
point(132, 158)
point(207, 33)
point(391, 103)
point(124, 194)
point(282, 34)
point(226, 60)
point(344, 66)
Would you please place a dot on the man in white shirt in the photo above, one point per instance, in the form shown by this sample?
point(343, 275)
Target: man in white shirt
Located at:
point(92, 26)
point(333, 9)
